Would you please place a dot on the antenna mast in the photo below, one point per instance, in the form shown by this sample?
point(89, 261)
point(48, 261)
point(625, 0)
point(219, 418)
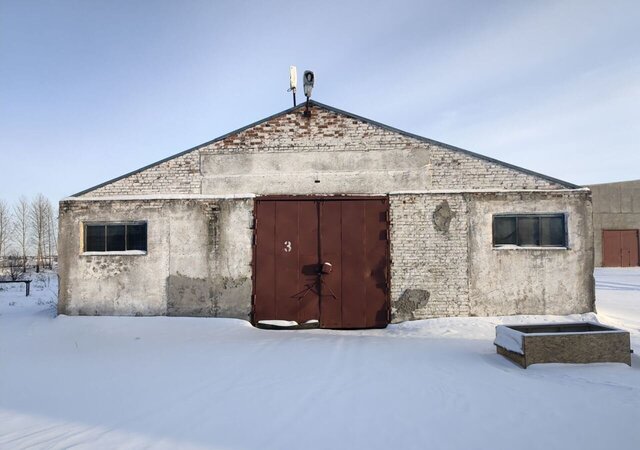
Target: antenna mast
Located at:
point(293, 82)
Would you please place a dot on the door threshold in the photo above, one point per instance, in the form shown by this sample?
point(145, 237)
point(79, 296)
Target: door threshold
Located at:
point(287, 325)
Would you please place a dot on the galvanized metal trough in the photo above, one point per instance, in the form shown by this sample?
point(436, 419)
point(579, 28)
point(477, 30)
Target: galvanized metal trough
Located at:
point(582, 342)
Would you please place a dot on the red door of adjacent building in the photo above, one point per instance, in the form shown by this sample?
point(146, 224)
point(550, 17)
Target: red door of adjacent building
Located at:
point(322, 258)
point(620, 248)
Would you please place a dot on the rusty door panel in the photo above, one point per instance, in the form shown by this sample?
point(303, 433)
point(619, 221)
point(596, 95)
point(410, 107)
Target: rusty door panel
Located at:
point(353, 237)
point(307, 290)
point(611, 245)
point(331, 252)
point(264, 259)
point(629, 241)
point(376, 247)
point(286, 260)
point(286, 252)
point(294, 236)
point(354, 265)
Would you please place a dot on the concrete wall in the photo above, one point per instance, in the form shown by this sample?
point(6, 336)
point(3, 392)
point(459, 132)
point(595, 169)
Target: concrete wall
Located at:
point(444, 262)
point(198, 259)
point(616, 206)
point(316, 172)
point(505, 281)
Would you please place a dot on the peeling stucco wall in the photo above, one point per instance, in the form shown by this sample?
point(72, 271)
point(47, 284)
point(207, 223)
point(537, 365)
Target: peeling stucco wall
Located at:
point(429, 275)
point(506, 281)
point(444, 262)
point(198, 259)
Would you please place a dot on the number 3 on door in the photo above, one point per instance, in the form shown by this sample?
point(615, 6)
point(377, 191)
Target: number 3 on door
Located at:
point(287, 246)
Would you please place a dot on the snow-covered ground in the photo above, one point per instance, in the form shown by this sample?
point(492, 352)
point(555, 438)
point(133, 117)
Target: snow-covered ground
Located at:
point(134, 382)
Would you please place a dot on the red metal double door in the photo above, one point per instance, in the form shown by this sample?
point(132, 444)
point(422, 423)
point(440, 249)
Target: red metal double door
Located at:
point(322, 258)
point(620, 248)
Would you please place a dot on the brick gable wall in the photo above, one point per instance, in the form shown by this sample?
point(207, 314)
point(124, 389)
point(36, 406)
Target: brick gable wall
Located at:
point(325, 131)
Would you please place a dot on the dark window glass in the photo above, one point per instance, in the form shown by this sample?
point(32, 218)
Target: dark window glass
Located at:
point(528, 231)
point(552, 231)
point(94, 238)
point(504, 230)
point(115, 238)
point(137, 237)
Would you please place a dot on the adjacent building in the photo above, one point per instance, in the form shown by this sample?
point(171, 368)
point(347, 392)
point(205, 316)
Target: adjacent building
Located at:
point(325, 215)
point(616, 223)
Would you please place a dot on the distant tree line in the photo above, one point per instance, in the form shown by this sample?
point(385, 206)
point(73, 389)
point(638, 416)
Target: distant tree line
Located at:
point(28, 232)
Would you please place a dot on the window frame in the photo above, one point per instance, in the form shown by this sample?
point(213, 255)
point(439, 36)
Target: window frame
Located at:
point(516, 216)
point(106, 224)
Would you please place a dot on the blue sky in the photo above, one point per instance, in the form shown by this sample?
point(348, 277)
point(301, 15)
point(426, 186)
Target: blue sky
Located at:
point(92, 89)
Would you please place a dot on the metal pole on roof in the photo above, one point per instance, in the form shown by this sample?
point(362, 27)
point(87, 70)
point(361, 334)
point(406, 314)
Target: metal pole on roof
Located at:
point(293, 82)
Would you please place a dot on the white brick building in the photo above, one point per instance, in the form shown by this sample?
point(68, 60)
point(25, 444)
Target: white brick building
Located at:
point(413, 229)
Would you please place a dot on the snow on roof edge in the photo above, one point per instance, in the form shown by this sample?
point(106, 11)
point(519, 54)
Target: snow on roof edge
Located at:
point(471, 191)
point(158, 197)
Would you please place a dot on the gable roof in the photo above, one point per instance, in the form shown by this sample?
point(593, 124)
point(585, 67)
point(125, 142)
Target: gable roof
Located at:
point(347, 114)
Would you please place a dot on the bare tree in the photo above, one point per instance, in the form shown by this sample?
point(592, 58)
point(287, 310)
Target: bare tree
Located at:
point(5, 224)
point(20, 229)
point(51, 234)
point(39, 211)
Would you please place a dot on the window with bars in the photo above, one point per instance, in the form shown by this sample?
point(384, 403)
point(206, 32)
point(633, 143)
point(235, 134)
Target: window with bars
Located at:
point(530, 230)
point(115, 237)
